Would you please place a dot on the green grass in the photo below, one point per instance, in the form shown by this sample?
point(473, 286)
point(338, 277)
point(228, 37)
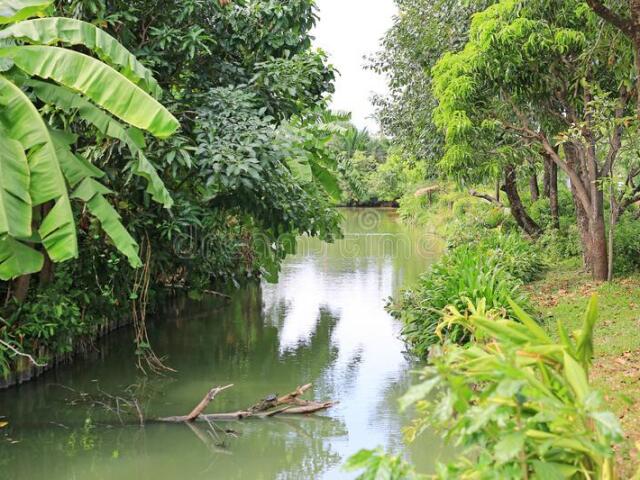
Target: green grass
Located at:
point(563, 294)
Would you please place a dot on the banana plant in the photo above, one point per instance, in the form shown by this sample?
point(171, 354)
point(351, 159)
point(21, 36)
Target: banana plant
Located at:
point(109, 90)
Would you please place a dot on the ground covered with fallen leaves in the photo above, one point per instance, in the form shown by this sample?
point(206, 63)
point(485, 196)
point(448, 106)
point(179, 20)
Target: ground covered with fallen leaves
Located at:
point(563, 295)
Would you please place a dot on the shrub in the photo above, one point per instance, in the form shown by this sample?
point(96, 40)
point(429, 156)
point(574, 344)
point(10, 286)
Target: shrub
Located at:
point(491, 267)
point(518, 256)
point(535, 416)
point(517, 403)
point(561, 244)
point(413, 210)
point(627, 246)
point(466, 272)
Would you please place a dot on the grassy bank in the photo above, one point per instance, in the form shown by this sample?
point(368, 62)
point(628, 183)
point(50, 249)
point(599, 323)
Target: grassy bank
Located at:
point(563, 293)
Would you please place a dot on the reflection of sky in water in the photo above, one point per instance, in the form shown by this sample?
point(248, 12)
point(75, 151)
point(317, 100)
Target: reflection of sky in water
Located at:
point(369, 352)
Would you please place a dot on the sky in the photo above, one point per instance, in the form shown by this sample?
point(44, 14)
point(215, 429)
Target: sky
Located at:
point(349, 30)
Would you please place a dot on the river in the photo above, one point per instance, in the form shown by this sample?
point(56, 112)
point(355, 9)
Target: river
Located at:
point(323, 322)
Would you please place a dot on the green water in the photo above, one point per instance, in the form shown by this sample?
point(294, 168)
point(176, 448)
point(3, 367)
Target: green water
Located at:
point(323, 322)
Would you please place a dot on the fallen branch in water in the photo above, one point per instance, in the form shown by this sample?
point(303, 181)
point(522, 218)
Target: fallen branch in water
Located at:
point(21, 354)
point(197, 411)
point(290, 404)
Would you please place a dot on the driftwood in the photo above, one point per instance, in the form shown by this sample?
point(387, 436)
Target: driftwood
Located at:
point(197, 411)
point(289, 404)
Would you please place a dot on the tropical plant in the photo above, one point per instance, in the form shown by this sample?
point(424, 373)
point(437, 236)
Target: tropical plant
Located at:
point(518, 403)
point(535, 414)
point(378, 465)
point(465, 273)
point(40, 173)
point(519, 257)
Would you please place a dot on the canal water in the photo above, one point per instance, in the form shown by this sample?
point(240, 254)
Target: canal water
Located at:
point(324, 323)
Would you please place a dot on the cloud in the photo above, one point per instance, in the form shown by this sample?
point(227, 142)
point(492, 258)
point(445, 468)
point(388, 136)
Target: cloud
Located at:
point(349, 31)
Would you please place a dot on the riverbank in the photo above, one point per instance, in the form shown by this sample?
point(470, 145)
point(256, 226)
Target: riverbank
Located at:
point(562, 294)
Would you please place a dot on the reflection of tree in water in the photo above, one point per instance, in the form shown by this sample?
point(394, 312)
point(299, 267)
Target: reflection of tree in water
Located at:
point(287, 448)
point(208, 343)
point(403, 250)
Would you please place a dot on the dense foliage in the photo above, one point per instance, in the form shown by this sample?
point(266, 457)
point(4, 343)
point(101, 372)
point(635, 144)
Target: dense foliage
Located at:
point(41, 172)
point(492, 97)
point(218, 203)
point(535, 415)
point(491, 270)
point(496, 94)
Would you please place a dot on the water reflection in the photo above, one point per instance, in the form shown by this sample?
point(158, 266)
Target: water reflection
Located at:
point(324, 322)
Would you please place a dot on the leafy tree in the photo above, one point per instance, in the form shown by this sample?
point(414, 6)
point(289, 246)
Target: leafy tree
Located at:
point(236, 74)
point(40, 171)
point(422, 32)
point(538, 75)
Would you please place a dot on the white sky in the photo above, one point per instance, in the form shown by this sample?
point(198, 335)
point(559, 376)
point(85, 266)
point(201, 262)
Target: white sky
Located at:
point(349, 30)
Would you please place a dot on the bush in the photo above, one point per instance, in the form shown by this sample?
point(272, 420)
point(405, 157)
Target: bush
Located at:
point(465, 273)
point(518, 256)
point(561, 244)
point(627, 246)
point(515, 403)
point(414, 210)
point(492, 267)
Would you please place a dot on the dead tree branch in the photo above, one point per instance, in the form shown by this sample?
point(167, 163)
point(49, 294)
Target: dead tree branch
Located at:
point(22, 354)
point(289, 404)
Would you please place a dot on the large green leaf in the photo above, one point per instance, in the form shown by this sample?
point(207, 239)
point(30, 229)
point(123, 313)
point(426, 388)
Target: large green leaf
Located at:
point(576, 376)
point(74, 167)
point(327, 180)
point(22, 122)
point(584, 342)
point(69, 101)
point(300, 169)
point(92, 193)
point(69, 31)
point(98, 81)
point(15, 10)
point(78, 170)
point(15, 201)
point(57, 230)
point(17, 259)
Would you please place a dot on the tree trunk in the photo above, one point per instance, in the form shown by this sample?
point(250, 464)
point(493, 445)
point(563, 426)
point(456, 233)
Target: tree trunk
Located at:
point(582, 216)
point(518, 210)
point(553, 195)
point(533, 187)
point(590, 211)
point(599, 257)
point(46, 274)
point(20, 288)
point(582, 219)
point(546, 177)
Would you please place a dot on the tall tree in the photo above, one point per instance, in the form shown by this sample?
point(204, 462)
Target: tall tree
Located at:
point(544, 73)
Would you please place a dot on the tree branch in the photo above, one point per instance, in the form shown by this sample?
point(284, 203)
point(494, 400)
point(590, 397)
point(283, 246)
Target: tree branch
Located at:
point(486, 197)
point(624, 25)
point(19, 353)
